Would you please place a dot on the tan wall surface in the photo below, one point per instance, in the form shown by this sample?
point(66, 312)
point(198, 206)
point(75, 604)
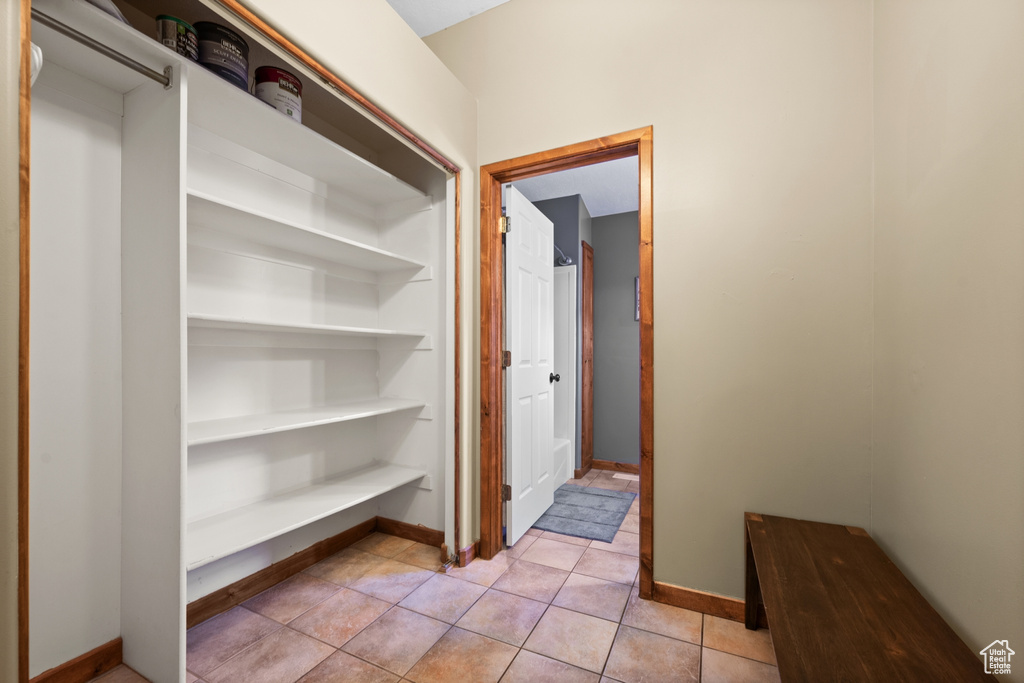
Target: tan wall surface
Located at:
point(762, 234)
point(9, 79)
point(369, 46)
point(948, 489)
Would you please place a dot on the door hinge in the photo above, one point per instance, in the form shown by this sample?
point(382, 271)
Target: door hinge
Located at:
point(505, 225)
point(506, 493)
point(506, 359)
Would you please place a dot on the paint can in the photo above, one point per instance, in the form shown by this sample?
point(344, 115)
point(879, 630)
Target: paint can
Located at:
point(224, 52)
point(281, 90)
point(178, 35)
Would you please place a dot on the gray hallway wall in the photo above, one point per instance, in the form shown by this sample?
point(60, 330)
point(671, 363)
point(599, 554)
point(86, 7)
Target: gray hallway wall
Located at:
point(616, 241)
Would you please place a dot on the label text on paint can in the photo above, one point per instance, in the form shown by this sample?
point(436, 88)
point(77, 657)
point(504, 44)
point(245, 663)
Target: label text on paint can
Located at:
point(281, 90)
point(178, 35)
point(224, 52)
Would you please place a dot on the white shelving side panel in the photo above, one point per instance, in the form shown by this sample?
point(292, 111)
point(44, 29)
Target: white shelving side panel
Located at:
point(224, 216)
point(221, 322)
point(221, 535)
point(226, 429)
point(240, 118)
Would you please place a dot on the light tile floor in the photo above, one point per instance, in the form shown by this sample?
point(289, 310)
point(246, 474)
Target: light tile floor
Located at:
point(551, 608)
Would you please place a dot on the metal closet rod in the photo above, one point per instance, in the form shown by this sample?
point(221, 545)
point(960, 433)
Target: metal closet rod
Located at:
point(48, 21)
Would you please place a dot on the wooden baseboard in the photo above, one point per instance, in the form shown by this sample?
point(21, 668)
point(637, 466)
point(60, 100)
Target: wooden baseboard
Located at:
point(467, 554)
point(707, 603)
point(224, 599)
point(579, 474)
point(85, 667)
point(411, 532)
point(628, 468)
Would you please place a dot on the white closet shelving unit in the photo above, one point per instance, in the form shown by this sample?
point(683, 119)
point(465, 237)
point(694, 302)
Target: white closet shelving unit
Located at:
point(286, 326)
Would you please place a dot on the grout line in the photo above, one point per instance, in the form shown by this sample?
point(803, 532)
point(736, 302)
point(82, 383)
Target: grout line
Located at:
point(734, 654)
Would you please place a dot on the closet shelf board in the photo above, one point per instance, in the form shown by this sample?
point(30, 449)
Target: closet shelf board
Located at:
point(244, 120)
point(242, 426)
point(218, 536)
point(220, 322)
point(223, 216)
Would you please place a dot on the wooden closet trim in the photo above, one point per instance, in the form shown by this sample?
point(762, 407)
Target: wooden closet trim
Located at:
point(263, 27)
point(24, 156)
point(637, 143)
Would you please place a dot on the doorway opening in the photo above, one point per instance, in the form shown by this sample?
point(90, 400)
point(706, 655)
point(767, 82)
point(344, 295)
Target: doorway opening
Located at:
point(639, 144)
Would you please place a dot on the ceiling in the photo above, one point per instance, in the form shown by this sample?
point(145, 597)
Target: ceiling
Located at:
point(607, 188)
point(430, 16)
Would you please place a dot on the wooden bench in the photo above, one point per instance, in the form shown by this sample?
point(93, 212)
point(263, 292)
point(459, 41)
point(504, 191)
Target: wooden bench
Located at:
point(840, 610)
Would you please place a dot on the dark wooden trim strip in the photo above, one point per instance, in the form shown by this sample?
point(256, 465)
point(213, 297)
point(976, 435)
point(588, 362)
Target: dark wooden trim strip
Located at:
point(24, 195)
point(586, 370)
point(637, 143)
point(492, 448)
point(645, 154)
point(626, 467)
point(85, 667)
point(467, 554)
point(706, 603)
point(225, 598)
point(327, 75)
point(411, 532)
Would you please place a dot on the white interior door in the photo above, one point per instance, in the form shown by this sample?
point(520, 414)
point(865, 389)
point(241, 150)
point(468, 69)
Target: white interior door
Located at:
point(529, 336)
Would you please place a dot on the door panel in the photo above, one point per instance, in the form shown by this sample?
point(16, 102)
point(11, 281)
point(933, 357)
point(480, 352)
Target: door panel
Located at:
point(529, 309)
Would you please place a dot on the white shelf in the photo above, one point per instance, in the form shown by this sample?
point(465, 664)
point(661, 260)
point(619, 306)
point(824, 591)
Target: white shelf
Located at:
point(224, 216)
point(221, 535)
point(112, 33)
point(240, 118)
point(226, 429)
point(221, 322)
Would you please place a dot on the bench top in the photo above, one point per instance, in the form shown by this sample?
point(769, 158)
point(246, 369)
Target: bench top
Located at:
point(840, 610)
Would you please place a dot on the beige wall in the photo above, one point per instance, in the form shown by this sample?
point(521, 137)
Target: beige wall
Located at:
point(9, 80)
point(762, 234)
point(369, 46)
point(948, 488)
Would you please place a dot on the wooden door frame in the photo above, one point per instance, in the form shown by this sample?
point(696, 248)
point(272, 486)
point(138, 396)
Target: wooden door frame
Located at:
point(586, 375)
point(638, 143)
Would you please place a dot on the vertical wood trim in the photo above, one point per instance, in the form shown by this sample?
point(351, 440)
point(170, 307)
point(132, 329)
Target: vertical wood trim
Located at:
point(24, 196)
point(587, 330)
point(256, 22)
point(645, 152)
point(457, 479)
point(491, 395)
point(637, 143)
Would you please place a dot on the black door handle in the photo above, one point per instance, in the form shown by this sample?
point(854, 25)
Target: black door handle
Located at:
point(554, 378)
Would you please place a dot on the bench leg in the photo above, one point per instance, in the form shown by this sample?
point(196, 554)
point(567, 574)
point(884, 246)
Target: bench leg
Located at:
point(753, 587)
